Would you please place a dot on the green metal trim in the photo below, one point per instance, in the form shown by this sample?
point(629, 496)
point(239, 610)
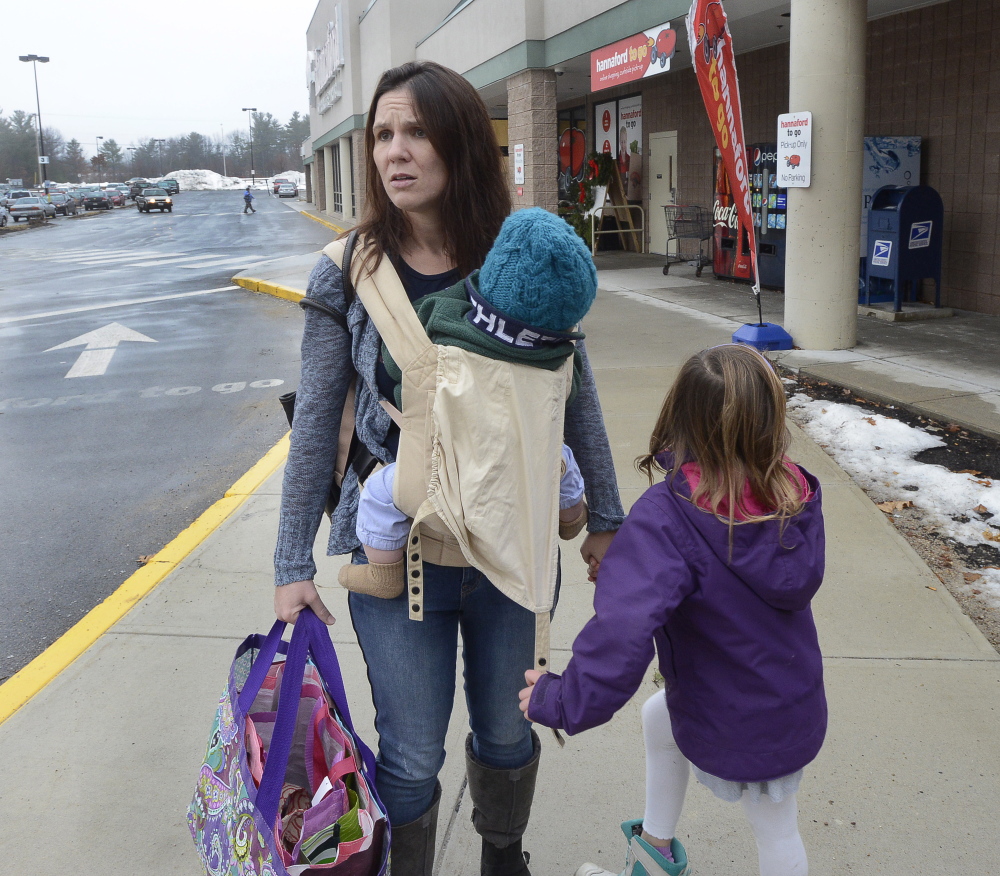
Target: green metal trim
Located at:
point(351, 123)
point(308, 159)
point(610, 26)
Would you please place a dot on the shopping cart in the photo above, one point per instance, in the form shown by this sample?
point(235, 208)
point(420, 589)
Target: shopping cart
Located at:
point(685, 224)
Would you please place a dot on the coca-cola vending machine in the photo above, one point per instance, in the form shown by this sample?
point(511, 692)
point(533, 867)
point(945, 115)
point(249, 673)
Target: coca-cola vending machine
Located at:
point(731, 251)
point(769, 206)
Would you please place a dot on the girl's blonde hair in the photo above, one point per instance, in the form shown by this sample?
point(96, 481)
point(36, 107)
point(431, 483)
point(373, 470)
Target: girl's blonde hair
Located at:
point(726, 411)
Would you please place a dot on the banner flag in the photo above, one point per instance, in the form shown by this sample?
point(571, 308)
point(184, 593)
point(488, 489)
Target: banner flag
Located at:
point(715, 66)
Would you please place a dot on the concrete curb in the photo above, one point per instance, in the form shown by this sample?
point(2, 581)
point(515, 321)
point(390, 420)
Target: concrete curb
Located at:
point(23, 685)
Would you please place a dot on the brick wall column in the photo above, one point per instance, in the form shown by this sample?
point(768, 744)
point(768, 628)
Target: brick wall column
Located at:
point(309, 185)
point(531, 121)
point(319, 183)
point(328, 175)
point(359, 173)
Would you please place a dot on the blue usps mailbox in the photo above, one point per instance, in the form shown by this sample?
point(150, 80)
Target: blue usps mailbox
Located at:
point(904, 242)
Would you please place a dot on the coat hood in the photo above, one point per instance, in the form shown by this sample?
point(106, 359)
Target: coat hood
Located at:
point(782, 561)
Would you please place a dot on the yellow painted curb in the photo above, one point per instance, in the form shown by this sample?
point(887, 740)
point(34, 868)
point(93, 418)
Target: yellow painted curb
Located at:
point(321, 221)
point(22, 686)
point(267, 288)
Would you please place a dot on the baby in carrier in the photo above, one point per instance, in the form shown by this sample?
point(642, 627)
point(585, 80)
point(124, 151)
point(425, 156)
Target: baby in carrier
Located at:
point(537, 283)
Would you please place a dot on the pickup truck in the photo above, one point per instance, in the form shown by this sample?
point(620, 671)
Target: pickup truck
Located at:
point(154, 199)
point(136, 186)
point(170, 186)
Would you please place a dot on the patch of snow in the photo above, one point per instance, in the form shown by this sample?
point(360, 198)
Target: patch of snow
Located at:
point(878, 453)
point(209, 180)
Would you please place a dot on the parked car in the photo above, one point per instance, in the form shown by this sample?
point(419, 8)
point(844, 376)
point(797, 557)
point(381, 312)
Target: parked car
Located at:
point(4, 215)
point(287, 190)
point(32, 208)
point(136, 186)
point(64, 203)
point(170, 186)
point(13, 195)
point(154, 199)
point(117, 198)
point(279, 181)
point(97, 200)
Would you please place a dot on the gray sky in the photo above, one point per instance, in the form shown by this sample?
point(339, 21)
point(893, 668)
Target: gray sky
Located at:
point(133, 70)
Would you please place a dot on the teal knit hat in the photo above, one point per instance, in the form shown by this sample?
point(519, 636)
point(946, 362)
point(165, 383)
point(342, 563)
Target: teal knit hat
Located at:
point(539, 271)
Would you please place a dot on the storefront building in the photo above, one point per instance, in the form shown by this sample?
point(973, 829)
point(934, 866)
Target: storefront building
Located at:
point(881, 69)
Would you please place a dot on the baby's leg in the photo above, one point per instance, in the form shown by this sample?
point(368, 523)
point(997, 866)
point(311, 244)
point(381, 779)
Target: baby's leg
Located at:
point(776, 829)
point(667, 772)
point(382, 528)
point(572, 508)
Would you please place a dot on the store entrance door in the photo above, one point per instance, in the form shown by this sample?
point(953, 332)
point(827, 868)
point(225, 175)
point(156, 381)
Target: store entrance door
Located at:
point(662, 188)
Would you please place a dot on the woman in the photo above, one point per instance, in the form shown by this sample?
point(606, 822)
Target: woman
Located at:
point(437, 197)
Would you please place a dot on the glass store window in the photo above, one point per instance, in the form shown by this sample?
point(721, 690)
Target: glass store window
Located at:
point(572, 150)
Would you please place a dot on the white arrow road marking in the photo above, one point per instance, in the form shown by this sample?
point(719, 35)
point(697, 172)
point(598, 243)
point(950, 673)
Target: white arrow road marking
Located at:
point(100, 347)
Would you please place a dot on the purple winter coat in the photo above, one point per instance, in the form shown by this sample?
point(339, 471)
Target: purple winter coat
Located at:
point(735, 639)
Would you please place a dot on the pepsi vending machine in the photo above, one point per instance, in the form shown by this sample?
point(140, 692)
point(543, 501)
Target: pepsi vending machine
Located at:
point(769, 207)
point(769, 204)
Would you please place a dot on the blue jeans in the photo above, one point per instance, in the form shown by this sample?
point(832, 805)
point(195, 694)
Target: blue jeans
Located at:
point(411, 668)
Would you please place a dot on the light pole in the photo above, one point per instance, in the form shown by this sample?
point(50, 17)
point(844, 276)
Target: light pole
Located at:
point(250, 110)
point(159, 144)
point(43, 159)
point(222, 143)
point(97, 156)
point(131, 156)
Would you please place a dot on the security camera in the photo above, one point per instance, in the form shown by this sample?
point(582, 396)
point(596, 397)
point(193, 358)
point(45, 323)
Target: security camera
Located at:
point(559, 70)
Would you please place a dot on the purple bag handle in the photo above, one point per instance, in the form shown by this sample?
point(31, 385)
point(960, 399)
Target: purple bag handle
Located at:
point(308, 634)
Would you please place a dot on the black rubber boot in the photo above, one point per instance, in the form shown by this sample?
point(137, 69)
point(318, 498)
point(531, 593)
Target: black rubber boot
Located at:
point(412, 850)
point(501, 805)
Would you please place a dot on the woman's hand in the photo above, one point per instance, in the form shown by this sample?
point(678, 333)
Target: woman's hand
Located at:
point(530, 676)
point(593, 549)
point(290, 599)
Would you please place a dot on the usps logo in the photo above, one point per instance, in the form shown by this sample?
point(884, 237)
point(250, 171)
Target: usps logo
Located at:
point(880, 254)
point(920, 235)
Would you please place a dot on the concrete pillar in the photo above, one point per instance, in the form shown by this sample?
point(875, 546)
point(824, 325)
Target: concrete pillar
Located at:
point(346, 177)
point(328, 169)
point(359, 171)
point(309, 183)
point(826, 73)
point(319, 183)
point(531, 121)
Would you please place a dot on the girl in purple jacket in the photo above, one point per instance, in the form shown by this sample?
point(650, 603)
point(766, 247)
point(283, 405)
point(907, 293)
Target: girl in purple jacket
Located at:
point(715, 566)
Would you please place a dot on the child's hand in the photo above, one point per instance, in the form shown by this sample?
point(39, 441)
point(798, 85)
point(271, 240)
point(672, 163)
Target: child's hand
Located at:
point(594, 546)
point(530, 676)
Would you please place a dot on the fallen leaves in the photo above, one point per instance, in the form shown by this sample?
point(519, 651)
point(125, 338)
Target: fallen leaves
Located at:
point(896, 505)
point(971, 577)
point(869, 420)
point(985, 482)
point(146, 559)
point(989, 535)
point(981, 509)
point(953, 427)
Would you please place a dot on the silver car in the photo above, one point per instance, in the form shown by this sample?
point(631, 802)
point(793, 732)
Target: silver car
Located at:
point(32, 208)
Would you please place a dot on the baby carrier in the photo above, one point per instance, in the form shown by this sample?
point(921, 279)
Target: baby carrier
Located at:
point(479, 457)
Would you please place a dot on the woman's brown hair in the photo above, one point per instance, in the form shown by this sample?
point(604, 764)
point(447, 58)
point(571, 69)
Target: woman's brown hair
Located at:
point(476, 199)
point(726, 411)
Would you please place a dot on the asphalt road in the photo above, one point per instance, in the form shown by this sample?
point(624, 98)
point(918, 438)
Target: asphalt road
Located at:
point(112, 444)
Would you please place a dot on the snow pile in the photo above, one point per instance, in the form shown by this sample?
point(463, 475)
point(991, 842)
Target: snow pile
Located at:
point(203, 180)
point(878, 453)
point(295, 176)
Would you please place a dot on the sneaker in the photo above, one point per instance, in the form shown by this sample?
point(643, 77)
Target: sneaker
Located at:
point(643, 859)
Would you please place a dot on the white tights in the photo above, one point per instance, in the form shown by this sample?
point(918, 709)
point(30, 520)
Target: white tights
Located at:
point(775, 825)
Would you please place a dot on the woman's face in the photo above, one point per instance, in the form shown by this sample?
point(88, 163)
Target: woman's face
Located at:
point(412, 172)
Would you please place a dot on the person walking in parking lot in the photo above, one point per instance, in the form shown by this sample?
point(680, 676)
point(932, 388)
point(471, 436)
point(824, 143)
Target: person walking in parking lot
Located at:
point(248, 201)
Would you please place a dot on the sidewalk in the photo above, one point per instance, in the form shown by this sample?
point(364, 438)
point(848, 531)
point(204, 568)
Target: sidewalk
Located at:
point(99, 766)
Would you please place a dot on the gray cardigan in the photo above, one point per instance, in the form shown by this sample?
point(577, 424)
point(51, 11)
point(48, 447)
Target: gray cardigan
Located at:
point(330, 358)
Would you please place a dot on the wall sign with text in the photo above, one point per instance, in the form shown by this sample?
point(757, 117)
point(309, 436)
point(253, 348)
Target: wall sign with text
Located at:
point(635, 57)
point(794, 150)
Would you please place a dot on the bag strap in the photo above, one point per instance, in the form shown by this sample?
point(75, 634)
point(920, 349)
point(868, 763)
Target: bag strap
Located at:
point(349, 292)
point(309, 635)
